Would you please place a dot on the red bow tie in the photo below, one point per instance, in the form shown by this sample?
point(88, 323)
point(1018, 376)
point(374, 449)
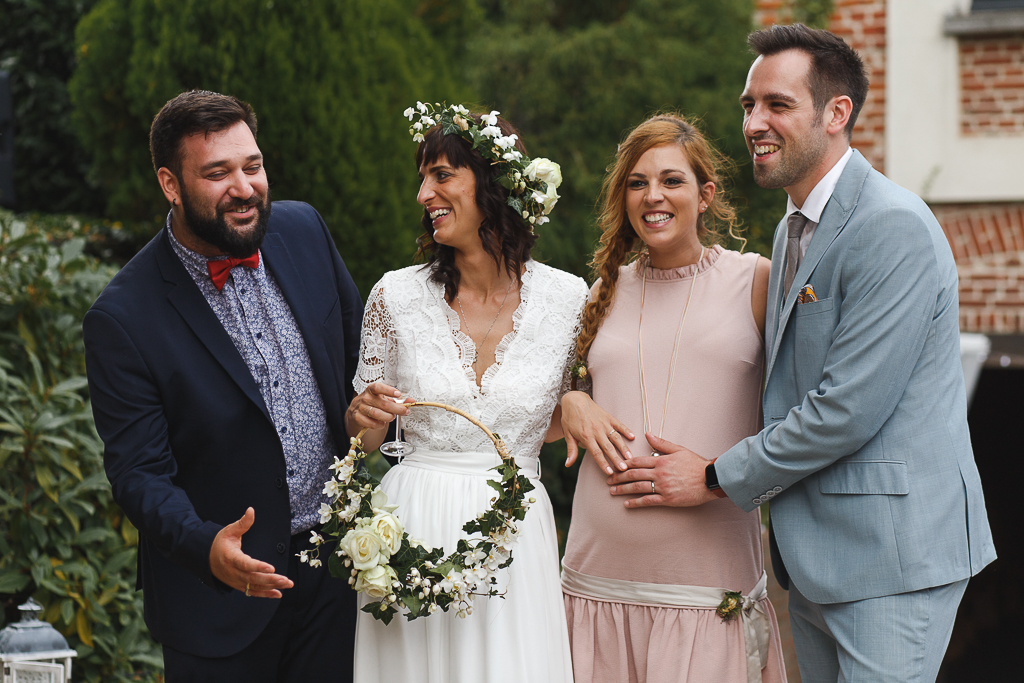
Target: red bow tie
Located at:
point(219, 270)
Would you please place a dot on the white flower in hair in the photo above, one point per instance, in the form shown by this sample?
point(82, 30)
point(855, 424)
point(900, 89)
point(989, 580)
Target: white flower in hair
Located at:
point(422, 107)
point(506, 142)
point(491, 131)
point(490, 119)
point(409, 113)
point(514, 155)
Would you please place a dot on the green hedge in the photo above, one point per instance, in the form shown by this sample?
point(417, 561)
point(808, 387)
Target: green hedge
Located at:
point(63, 541)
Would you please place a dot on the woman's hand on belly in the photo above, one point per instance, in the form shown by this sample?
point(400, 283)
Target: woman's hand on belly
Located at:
point(587, 424)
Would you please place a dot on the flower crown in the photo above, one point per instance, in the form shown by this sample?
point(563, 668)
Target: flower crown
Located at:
point(532, 183)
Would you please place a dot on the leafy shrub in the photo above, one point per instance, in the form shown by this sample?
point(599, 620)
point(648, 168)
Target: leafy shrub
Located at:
point(37, 48)
point(63, 541)
point(328, 80)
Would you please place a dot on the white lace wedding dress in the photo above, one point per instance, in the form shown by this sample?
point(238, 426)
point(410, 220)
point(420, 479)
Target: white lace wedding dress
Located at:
point(441, 486)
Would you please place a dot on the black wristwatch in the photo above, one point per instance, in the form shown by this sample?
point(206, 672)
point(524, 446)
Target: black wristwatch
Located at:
point(711, 480)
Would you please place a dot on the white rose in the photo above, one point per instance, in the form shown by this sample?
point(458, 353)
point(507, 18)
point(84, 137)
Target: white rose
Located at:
point(363, 545)
point(546, 170)
point(375, 582)
point(390, 531)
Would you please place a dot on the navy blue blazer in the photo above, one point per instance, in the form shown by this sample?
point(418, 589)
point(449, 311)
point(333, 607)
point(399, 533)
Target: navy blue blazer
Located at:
point(189, 443)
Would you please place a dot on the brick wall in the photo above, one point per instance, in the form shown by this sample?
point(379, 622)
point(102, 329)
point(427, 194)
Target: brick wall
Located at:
point(992, 86)
point(987, 239)
point(861, 23)
point(988, 245)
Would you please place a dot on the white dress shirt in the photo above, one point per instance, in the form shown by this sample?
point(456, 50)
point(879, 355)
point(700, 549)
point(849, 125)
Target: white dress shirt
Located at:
point(816, 200)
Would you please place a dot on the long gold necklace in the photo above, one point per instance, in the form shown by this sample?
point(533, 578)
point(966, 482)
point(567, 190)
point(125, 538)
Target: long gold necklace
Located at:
point(675, 348)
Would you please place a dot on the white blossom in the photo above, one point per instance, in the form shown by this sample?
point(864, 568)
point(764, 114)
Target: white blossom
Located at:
point(418, 137)
point(490, 131)
point(490, 119)
point(331, 489)
point(409, 113)
point(315, 538)
point(325, 513)
point(514, 155)
point(422, 107)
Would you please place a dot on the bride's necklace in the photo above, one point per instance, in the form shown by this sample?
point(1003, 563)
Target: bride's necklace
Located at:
point(675, 349)
point(477, 347)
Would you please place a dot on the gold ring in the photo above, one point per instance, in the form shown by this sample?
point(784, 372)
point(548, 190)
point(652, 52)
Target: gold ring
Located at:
point(652, 486)
point(247, 583)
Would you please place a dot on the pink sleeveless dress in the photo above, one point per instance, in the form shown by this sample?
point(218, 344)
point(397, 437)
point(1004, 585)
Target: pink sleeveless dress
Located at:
point(715, 402)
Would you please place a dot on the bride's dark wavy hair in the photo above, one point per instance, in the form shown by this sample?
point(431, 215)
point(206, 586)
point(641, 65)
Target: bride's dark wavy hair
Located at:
point(504, 233)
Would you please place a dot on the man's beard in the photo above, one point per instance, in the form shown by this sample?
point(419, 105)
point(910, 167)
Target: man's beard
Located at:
point(804, 157)
point(215, 231)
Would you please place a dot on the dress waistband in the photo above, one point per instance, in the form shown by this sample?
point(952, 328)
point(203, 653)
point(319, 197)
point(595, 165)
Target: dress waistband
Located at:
point(476, 463)
point(756, 629)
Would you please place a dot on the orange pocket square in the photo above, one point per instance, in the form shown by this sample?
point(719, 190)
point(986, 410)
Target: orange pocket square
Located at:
point(806, 295)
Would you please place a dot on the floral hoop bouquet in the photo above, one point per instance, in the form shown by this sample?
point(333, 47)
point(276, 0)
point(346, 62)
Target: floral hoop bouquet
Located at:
point(376, 556)
point(532, 183)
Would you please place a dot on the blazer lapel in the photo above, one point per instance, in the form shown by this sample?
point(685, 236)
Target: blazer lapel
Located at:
point(771, 328)
point(193, 307)
point(836, 214)
point(289, 278)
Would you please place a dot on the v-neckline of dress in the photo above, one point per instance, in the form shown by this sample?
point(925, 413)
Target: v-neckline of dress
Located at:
point(467, 348)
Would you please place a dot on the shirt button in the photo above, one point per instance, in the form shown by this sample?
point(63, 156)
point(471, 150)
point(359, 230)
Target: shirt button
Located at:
point(279, 481)
point(259, 335)
point(280, 548)
point(291, 473)
point(275, 383)
point(284, 430)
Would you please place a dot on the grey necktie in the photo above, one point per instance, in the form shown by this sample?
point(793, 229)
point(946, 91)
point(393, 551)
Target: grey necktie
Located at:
point(794, 230)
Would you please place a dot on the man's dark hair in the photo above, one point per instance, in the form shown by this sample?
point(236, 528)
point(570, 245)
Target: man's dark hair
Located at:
point(190, 113)
point(836, 69)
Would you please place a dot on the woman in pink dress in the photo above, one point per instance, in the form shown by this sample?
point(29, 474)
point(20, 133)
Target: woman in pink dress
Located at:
point(673, 343)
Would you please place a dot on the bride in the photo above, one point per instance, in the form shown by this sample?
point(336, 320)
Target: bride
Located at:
point(494, 335)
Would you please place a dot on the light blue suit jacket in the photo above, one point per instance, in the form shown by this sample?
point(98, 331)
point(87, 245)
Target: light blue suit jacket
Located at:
point(865, 455)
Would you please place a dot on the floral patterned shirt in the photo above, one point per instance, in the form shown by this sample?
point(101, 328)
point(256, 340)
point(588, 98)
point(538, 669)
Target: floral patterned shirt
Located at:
point(259, 321)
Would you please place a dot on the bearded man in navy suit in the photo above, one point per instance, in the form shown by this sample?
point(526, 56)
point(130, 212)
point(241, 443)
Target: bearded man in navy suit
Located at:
point(220, 363)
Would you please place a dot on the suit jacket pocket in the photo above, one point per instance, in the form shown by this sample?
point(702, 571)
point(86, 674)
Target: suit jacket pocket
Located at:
point(813, 307)
point(865, 477)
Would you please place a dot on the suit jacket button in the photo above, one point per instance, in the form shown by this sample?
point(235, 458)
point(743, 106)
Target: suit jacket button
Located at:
point(280, 548)
point(279, 481)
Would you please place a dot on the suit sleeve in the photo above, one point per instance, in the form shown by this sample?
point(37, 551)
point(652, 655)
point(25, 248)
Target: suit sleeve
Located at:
point(888, 289)
point(137, 454)
point(351, 310)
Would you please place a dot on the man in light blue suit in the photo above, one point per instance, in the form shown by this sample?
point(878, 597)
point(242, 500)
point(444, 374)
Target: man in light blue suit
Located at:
point(877, 513)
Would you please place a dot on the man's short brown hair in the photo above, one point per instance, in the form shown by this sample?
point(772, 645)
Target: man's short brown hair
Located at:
point(190, 113)
point(836, 69)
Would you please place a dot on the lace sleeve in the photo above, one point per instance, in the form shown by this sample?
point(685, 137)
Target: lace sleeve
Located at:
point(570, 359)
point(377, 325)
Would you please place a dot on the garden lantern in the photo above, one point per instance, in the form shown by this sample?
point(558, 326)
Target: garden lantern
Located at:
point(32, 651)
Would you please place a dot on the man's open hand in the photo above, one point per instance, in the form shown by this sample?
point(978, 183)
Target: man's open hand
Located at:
point(229, 564)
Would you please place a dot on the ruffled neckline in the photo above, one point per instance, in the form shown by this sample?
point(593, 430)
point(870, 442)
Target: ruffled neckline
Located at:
point(685, 272)
point(467, 349)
